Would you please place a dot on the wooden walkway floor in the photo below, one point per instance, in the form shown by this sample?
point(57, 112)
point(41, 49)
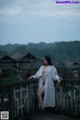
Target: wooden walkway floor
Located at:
point(50, 116)
point(46, 116)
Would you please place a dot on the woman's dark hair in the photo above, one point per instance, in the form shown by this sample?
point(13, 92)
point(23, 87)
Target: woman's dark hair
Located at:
point(48, 58)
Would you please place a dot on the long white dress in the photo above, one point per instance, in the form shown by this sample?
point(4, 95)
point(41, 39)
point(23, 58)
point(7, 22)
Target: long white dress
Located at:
point(51, 76)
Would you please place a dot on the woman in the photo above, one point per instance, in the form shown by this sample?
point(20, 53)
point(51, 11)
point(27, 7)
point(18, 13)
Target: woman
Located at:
point(46, 76)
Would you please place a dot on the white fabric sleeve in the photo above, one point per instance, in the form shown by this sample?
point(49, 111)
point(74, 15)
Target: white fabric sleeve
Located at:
point(55, 75)
point(38, 73)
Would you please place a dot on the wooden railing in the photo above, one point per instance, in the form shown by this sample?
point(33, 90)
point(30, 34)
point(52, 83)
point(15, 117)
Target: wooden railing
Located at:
point(68, 97)
point(20, 97)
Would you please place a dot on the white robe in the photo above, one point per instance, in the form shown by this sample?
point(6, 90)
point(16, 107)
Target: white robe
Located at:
point(51, 76)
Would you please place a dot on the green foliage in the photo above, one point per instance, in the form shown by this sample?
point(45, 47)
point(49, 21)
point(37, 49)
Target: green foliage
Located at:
point(59, 50)
point(11, 78)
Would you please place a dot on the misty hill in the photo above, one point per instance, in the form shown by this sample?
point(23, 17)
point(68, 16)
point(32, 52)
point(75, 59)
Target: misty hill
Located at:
point(61, 51)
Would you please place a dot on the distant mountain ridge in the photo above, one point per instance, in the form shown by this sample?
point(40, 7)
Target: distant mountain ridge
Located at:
point(59, 50)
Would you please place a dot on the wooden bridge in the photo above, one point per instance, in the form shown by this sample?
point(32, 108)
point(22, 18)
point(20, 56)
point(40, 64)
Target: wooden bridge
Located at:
point(19, 98)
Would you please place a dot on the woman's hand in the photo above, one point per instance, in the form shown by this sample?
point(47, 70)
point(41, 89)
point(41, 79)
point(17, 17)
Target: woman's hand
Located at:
point(58, 82)
point(30, 77)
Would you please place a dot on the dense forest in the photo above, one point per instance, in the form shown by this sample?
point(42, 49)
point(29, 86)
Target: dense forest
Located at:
point(59, 50)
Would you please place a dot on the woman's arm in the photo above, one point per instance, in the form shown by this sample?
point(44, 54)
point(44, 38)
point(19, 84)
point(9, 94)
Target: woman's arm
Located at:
point(37, 75)
point(59, 81)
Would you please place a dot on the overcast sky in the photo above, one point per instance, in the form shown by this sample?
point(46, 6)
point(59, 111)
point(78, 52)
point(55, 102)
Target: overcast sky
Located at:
point(24, 21)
